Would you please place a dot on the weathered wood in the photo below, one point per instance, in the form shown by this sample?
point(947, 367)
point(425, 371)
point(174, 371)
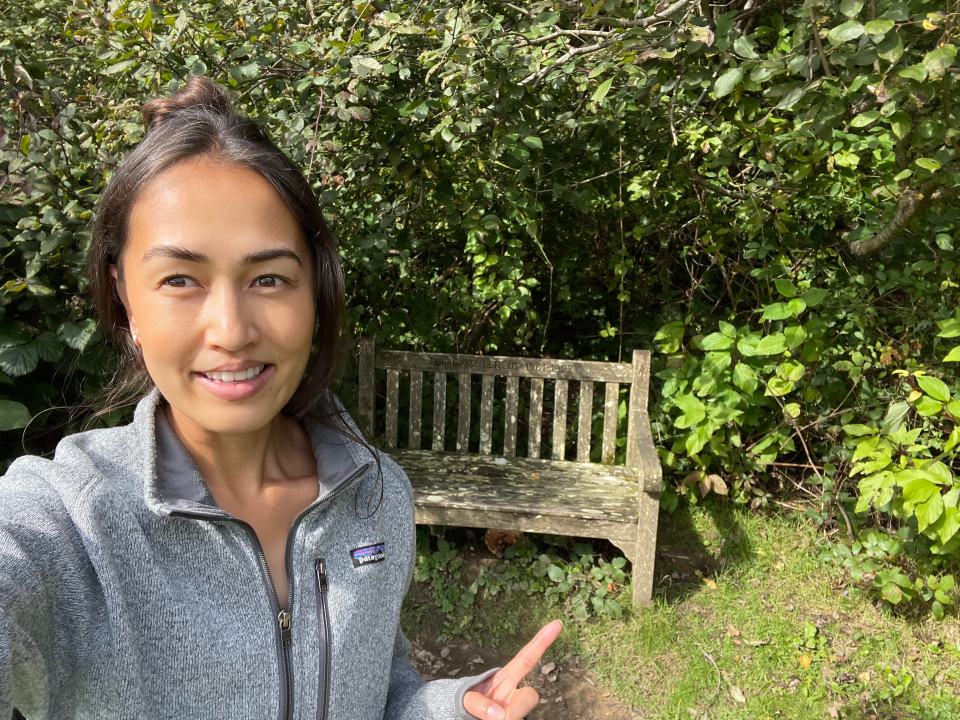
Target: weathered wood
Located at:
point(525, 522)
point(535, 418)
point(416, 409)
point(546, 368)
point(510, 416)
point(646, 546)
point(637, 402)
point(367, 385)
point(558, 488)
point(463, 417)
point(393, 390)
point(610, 401)
point(560, 391)
point(585, 422)
point(486, 415)
point(439, 409)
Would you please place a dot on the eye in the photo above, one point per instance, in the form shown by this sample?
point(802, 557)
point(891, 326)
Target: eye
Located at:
point(178, 281)
point(277, 281)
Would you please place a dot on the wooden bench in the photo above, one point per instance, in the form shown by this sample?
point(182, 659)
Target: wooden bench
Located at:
point(461, 479)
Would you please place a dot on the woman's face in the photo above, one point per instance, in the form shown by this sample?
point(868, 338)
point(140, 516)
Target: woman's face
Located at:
point(218, 277)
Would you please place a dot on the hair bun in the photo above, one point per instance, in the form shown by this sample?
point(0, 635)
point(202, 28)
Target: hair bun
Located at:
point(198, 92)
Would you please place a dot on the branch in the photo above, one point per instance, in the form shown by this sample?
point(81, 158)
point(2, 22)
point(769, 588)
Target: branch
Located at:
point(646, 21)
point(824, 63)
point(911, 202)
point(664, 14)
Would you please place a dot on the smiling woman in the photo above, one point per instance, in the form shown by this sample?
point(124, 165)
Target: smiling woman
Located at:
point(238, 550)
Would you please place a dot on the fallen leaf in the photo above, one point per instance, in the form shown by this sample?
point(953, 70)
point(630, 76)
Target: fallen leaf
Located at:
point(710, 583)
point(737, 694)
point(805, 661)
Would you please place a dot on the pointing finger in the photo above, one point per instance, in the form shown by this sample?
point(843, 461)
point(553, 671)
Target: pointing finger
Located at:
point(528, 657)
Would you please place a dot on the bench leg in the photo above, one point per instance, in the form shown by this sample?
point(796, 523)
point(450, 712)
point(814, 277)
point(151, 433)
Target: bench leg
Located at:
point(645, 550)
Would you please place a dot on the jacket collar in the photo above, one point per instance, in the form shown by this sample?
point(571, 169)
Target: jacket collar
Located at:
point(172, 482)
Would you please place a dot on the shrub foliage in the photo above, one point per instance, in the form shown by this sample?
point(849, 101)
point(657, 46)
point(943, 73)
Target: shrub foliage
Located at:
point(764, 192)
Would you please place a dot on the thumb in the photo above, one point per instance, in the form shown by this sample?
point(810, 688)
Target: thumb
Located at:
point(482, 707)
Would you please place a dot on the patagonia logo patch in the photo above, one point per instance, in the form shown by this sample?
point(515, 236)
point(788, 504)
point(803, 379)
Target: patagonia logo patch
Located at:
point(367, 554)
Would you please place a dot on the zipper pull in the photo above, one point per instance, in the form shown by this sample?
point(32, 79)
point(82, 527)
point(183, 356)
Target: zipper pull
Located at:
point(283, 619)
point(321, 574)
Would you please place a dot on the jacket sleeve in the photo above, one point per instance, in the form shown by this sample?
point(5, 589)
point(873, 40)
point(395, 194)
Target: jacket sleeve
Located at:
point(35, 550)
point(409, 697)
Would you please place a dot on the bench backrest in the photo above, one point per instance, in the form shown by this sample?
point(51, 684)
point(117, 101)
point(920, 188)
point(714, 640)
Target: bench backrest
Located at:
point(632, 379)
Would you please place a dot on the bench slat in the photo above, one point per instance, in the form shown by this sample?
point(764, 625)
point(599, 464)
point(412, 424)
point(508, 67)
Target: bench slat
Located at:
point(416, 408)
point(535, 417)
point(560, 419)
point(585, 419)
point(547, 368)
point(547, 487)
point(510, 417)
point(393, 389)
point(439, 409)
point(609, 448)
point(463, 419)
point(486, 415)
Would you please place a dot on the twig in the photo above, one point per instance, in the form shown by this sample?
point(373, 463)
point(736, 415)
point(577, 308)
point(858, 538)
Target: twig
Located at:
point(716, 690)
point(824, 63)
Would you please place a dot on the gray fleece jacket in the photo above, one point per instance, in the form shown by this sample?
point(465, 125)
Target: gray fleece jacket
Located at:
point(126, 592)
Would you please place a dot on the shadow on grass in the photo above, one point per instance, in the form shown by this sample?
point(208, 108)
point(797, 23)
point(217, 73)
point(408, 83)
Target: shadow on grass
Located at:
point(685, 558)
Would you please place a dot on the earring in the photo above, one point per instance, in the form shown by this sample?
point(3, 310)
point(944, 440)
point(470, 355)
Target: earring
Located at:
point(136, 338)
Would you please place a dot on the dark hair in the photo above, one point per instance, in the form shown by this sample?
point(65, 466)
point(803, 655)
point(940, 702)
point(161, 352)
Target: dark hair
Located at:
point(196, 121)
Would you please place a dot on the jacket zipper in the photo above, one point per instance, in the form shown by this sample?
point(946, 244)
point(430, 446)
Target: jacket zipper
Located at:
point(284, 617)
point(323, 628)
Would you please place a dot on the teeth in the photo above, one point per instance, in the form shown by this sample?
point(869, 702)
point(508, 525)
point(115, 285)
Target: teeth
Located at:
point(237, 376)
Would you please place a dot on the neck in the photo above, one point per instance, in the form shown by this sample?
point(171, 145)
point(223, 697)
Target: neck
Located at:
point(244, 466)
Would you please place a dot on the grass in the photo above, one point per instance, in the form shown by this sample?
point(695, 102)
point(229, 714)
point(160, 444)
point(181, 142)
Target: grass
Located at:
point(747, 623)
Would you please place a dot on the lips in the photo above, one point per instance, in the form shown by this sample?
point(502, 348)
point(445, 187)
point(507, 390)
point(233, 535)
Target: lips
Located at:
point(236, 376)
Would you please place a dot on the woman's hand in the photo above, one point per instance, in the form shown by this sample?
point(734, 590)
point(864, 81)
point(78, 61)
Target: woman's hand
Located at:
point(498, 697)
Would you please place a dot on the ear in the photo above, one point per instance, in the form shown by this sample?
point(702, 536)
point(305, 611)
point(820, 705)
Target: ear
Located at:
point(122, 292)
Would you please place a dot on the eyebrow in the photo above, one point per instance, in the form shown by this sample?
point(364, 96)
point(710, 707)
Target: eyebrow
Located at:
point(179, 253)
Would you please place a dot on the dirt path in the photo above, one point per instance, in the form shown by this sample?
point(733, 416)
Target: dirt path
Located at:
point(567, 692)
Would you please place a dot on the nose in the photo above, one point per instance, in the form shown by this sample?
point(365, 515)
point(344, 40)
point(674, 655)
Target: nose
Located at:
point(230, 324)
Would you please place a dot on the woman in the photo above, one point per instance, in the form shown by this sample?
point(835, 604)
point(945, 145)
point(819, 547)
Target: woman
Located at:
point(238, 550)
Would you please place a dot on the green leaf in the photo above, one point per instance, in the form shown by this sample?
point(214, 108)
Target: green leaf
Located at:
point(776, 311)
point(814, 296)
point(914, 72)
point(777, 386)
point(786, 287)
point(745, 378)
point(891, 593)
point(727, 82)
point(556, 573)
point(878, 28)
point(601, 92)
point(859, 430)
point(865, 118)
point(697, 439)
point(716, 341)
point(13, 415)
point(929, 512)
point(119, 67)
point(850, 30)
point(928, 407)
point(744, 47)
point(78, 335)
point(890, 48)
point(851, 8)
point(934, 387)
point(949, 328)
point(19, 359)
point(953, 355)
point(938, 60)
point(533, 142)
point(790, 370)
point(928, 164)
point(48, 346)
point(692, 408)
point(771, 345)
